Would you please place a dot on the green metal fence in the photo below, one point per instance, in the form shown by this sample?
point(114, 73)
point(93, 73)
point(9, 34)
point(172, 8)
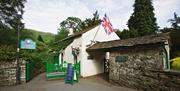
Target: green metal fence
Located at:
point(29, 70)
point(54, 71)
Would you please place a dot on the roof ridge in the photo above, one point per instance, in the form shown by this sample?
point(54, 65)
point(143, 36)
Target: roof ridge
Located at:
point(143, 40)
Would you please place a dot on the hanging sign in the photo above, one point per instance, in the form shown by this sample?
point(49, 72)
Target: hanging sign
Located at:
point(28, 44)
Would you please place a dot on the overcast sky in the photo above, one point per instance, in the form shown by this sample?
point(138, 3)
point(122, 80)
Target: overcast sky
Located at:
point(45, 15)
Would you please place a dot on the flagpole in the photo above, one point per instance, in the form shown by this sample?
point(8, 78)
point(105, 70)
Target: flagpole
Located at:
point(96, 33)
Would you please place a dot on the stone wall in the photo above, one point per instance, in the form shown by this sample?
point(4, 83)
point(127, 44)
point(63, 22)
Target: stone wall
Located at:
point(138, 72)
point(8, 72)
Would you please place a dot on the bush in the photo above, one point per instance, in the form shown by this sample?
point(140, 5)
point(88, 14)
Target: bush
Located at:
point(7, 52)
point(175, 43)
point(175, 63)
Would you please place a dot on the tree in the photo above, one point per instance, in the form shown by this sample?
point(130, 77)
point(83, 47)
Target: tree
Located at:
point(11, 13)
point(40, 38)
point(77, 25)
point(175, 21)
point(71, 22)
point(143, 21)
point(89, 22)
point(125, 34)
point(63, 33)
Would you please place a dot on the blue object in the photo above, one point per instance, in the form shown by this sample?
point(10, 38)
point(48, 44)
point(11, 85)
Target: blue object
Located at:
point(70, 72)
point(28, 44)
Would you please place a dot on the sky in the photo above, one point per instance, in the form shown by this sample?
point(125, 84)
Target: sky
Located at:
point(46, 15)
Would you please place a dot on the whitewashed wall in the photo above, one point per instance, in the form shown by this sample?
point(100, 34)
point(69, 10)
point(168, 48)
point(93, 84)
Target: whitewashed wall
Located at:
point(68, 51)
point(94, 66)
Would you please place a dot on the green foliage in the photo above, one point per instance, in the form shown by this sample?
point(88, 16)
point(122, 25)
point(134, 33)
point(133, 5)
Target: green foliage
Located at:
point(175, 37)
point(77, 25)
point(89, 22)
point(124, 34)
point(165, 30)
point(8, 46)
point(71, 22)
point(127, 34)
point(61, 34)
point(142, 21)
point(7, 52)
point(41, 47)
point(40, 55)
point(11, 12)
point(26, 34)
point(175, 21)
point(62, 44)
point(175, 41)
point(8, 37)
point(40, 38)
point(48, 38)
point(175, 63)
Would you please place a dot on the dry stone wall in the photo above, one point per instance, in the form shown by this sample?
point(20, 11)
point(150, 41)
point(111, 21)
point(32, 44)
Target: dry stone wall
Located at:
point(138, 72)
point(8, 72)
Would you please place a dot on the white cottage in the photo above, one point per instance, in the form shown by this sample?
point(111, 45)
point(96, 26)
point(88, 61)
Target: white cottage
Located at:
point(82, 40)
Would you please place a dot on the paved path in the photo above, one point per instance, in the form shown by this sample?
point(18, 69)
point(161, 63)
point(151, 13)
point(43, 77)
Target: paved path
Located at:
point(85, 84)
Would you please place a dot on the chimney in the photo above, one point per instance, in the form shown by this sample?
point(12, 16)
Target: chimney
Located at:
point(70, 31)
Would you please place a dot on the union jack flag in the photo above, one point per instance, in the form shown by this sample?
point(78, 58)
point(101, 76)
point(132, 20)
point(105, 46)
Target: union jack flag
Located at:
point(107, 25)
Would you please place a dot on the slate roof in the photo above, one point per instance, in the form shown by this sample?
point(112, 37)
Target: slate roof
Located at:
point(79, 33)
point(151, 39)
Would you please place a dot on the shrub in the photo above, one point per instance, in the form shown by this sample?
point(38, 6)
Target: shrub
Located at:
point(175, 63)
point(7, 52)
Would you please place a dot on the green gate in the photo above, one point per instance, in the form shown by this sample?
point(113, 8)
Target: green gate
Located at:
point(54, 71)
point(29, 70)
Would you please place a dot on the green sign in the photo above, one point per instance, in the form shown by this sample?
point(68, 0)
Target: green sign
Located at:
point(121, 58)
point(28, 44)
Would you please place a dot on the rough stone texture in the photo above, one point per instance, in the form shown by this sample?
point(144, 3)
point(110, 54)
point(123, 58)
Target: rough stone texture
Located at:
point(8, 72)
point(138, 72)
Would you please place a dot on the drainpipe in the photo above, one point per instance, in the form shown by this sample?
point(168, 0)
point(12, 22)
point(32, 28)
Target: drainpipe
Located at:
point(166, 55)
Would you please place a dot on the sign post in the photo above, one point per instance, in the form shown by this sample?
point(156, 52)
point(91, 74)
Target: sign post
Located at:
point(26, 44)
point(18, 69)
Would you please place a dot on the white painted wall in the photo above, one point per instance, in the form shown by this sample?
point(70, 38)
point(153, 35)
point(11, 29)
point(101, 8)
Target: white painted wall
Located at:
point(94, 66)
point(68, 57)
